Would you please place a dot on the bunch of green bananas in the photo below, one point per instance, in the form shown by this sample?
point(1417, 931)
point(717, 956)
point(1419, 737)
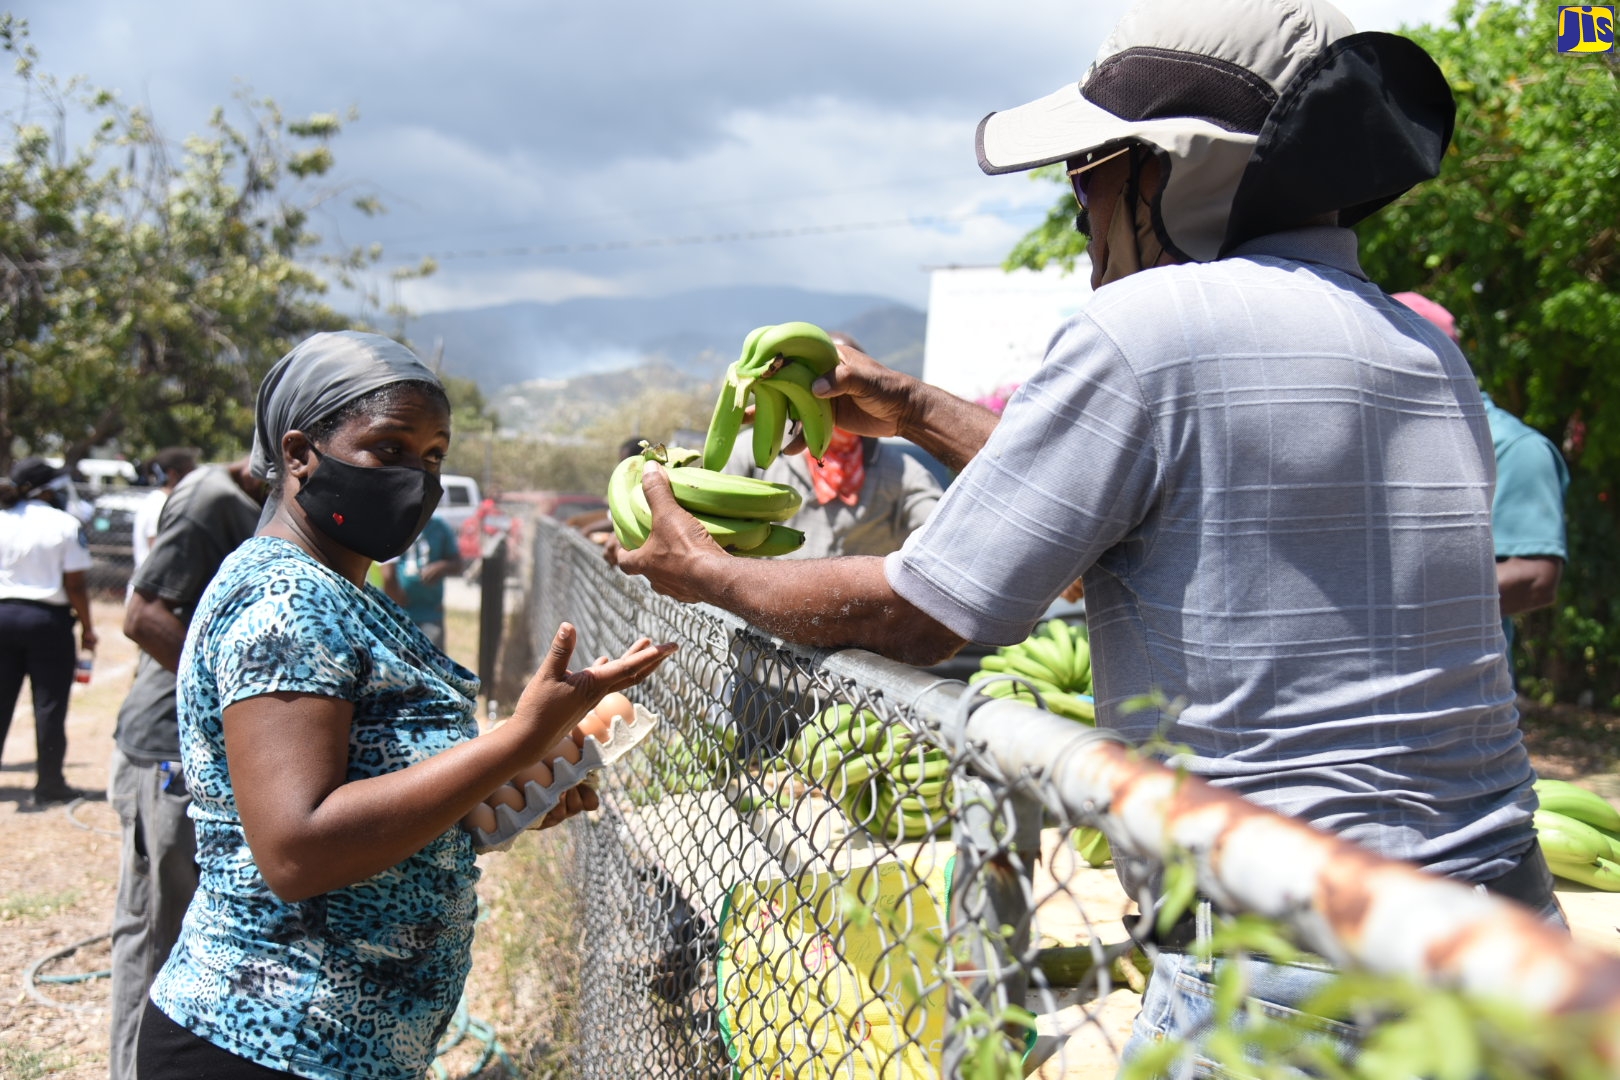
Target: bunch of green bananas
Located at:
point(1055, 661)
point(676, 764)
point(1580, 834)
point(899, 789)
point(741, 513)
point(777, 366)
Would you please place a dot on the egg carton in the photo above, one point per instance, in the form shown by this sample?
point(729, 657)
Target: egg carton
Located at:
point(539, 801)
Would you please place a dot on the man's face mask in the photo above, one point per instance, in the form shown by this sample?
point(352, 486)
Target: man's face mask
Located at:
point(374, 512)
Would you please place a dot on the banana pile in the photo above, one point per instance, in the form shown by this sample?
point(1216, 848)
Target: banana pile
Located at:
point(899, 789)
point(1055, 661)
point(1580, 834)
point(777, 366)
point(741, 513)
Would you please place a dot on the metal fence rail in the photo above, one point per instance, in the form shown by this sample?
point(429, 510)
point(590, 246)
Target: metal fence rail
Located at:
point(830, 865)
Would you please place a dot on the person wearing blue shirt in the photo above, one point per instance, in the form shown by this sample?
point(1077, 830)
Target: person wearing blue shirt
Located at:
point(415, 580)
point(1527, 511)
point(331, 751)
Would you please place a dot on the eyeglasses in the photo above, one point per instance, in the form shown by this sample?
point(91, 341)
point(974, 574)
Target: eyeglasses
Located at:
point(1080, 176)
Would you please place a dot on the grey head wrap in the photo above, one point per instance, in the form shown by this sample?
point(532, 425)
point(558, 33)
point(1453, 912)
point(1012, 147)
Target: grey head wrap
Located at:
point(322, 374)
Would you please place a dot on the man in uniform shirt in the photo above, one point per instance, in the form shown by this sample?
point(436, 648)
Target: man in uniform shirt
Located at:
point(211, 512)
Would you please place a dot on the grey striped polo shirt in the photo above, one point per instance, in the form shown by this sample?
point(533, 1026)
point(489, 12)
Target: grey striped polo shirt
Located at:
point(1277, 483)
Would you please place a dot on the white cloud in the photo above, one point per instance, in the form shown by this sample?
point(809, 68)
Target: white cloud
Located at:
point(500, 124)
point(454, 288)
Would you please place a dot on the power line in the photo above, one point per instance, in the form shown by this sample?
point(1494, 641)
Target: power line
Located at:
point(590, 247)
point(774, 198)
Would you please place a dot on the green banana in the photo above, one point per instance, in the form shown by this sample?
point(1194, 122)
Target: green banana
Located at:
point(724, 424)
point(770, 423)
point(732, 496)
point(733, 534)
point(1562, 797)
point(795, 341)
point(1027, 662)
point(623, 487)
point(1072, 707)
point(1049, 654)
point(1058, 701)
point(1600, 874)
point(1092, 844)
point(675, 455)
point(1568, 840)
point(932, 790)
point(1060, 633)
point(1082, 664)
point(1042, 685)
point(781, 541)
point(793, 379)
point(929, 768)
point(750, 341)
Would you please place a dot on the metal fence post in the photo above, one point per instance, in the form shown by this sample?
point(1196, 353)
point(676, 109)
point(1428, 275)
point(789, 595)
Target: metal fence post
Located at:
point(997, 841)
point(491, 614)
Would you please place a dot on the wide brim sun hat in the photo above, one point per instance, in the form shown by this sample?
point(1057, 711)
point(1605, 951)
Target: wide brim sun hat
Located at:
point(1263, 113)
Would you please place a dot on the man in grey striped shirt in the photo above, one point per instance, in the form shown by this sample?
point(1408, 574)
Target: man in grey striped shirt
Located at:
point(1274, 479)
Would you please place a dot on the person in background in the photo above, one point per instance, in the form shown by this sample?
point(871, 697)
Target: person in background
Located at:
point(331, 750)
point(211, 513)
point(44, 557)
point(862, 498)
point(415, 580)
point(1527, 511)
point(168, 467)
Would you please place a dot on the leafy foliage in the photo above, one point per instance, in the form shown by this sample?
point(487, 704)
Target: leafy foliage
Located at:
point(146, 288)
point(1519, 237)
point(1055, 239)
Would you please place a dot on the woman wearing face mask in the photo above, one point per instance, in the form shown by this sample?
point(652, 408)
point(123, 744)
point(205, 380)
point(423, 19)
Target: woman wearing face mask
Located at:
point(330, 750)
point(43, 561)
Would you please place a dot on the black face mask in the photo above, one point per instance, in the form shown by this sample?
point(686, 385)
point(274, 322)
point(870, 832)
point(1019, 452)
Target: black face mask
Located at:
point(372, 512)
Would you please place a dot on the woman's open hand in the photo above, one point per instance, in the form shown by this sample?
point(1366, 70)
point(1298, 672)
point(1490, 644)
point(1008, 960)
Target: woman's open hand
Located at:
point(556, 698)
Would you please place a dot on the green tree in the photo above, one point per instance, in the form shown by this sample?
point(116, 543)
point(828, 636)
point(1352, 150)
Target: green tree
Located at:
point(144, 291)
point(1519, 236)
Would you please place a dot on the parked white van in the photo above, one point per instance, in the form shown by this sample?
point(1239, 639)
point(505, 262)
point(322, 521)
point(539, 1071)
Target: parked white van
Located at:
point(460, 499)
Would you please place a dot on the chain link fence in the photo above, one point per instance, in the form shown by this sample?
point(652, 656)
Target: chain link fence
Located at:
point(829, 865)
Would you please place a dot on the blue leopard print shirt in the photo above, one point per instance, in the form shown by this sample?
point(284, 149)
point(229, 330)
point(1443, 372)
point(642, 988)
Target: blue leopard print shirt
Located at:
point(361, 981)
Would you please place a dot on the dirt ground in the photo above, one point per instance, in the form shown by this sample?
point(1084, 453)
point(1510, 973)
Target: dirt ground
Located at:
point(58, 876)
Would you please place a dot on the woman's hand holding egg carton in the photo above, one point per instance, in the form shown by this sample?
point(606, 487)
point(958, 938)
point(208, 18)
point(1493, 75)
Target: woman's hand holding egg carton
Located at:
point(608, 731)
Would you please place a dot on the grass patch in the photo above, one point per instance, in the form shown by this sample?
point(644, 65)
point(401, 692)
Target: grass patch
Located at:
point(531, 952)
point(34, 906)
point(21, 1063)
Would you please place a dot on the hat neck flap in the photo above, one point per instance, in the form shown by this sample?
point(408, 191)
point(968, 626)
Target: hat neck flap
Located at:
point(1365, 121)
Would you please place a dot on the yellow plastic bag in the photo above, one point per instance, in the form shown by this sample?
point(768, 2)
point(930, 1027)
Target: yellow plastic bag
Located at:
point(822, 978)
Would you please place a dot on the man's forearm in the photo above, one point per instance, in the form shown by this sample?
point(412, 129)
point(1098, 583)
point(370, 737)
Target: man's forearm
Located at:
point(950, 428)
point(78, 594)
point(1526, 583)
point(826, 603)
point(149, 623)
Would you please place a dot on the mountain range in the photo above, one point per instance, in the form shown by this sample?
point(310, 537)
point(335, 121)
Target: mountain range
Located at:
point(696, 333)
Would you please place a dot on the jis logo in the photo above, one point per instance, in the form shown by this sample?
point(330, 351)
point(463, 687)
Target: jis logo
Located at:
point(1585, 29)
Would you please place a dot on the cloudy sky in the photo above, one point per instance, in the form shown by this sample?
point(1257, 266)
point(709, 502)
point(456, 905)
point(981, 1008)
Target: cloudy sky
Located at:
point(544, 150)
